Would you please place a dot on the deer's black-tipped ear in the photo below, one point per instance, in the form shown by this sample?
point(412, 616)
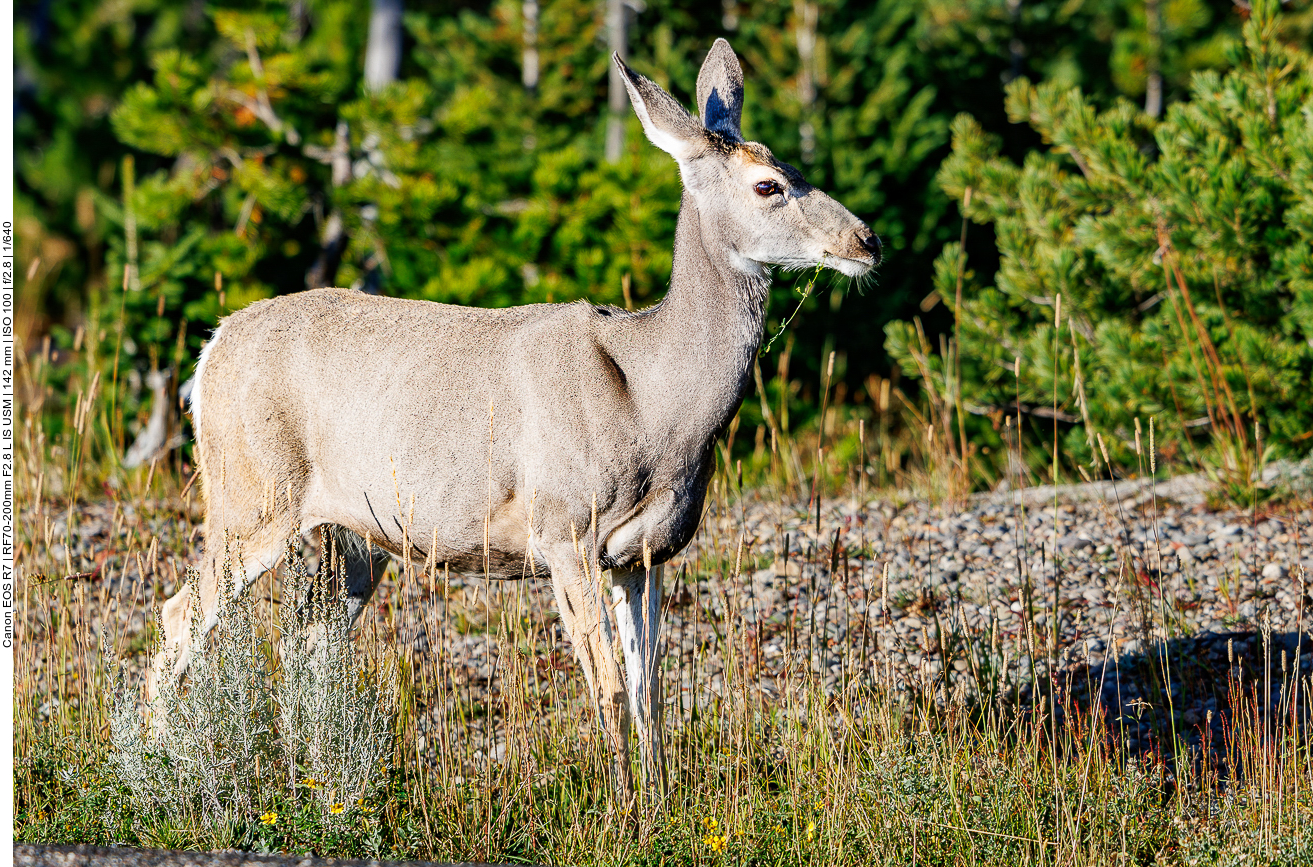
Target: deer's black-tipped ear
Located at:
point(720, 91)
point(668, 124)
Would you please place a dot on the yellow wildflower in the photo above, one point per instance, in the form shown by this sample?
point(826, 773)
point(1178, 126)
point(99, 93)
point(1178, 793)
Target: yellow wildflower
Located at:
point(715, 841)
point(269, 818)
point(311, 782)
point(336, 809)
point(811, 831)
point(710, 824)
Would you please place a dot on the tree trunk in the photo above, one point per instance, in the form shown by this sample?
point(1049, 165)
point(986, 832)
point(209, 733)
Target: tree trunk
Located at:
point(529, 64)
point(617, 98)
point(382, 64)
point(333, 238)
point(383, 56)
point(1153, 92)
point(805, 34)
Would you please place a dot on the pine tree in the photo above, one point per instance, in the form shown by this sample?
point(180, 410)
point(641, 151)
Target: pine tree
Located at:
point(73, 60)
point(1181, 251)
point(474, 179)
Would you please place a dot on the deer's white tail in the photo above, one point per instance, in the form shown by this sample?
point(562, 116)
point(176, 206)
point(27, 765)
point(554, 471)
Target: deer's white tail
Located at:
point(194, 398)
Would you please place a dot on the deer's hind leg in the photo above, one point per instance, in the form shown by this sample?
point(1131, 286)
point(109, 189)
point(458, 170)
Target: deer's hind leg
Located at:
point(198, 598)
point(241, 543)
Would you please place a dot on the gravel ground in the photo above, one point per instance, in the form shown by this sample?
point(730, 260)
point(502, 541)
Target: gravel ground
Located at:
point(850, 593)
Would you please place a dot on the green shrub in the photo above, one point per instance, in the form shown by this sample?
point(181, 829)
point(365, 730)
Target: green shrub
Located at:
point(1181, 250)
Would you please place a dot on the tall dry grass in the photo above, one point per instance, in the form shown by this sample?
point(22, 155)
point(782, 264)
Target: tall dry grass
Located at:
point(786, 745)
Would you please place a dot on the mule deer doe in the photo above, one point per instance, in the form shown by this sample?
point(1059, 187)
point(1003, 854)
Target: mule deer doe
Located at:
point(546, 440)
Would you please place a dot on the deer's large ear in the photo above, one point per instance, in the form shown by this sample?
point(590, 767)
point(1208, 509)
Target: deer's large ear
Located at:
point(720, 91)
point(668, 124)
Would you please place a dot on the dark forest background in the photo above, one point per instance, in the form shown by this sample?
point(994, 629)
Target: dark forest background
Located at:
point(1149, 161)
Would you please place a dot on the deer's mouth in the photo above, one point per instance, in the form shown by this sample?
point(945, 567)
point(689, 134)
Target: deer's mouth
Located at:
point(850, 266)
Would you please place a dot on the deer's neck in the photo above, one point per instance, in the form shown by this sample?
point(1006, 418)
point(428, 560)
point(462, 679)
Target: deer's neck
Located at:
point(707, 330)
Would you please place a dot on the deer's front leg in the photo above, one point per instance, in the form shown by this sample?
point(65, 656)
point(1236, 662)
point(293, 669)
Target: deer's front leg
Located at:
point(584, 618)
point(637, 599)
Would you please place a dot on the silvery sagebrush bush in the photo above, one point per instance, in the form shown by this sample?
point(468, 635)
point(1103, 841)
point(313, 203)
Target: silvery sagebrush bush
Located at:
point(309, 715)
point(335, 719)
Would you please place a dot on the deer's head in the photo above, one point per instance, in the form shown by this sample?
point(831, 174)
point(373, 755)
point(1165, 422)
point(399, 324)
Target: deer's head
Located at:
point(761, 209)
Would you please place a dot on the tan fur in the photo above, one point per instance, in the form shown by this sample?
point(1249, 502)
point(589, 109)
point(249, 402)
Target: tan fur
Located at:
point(549, 441)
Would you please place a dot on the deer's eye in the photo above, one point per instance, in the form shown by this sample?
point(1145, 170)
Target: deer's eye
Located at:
point(767, 188)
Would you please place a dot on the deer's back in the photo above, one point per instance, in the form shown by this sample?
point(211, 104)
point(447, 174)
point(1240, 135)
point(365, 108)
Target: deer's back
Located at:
point(364, 402)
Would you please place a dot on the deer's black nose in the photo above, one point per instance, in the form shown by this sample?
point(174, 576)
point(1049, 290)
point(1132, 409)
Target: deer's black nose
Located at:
point(871, 242)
